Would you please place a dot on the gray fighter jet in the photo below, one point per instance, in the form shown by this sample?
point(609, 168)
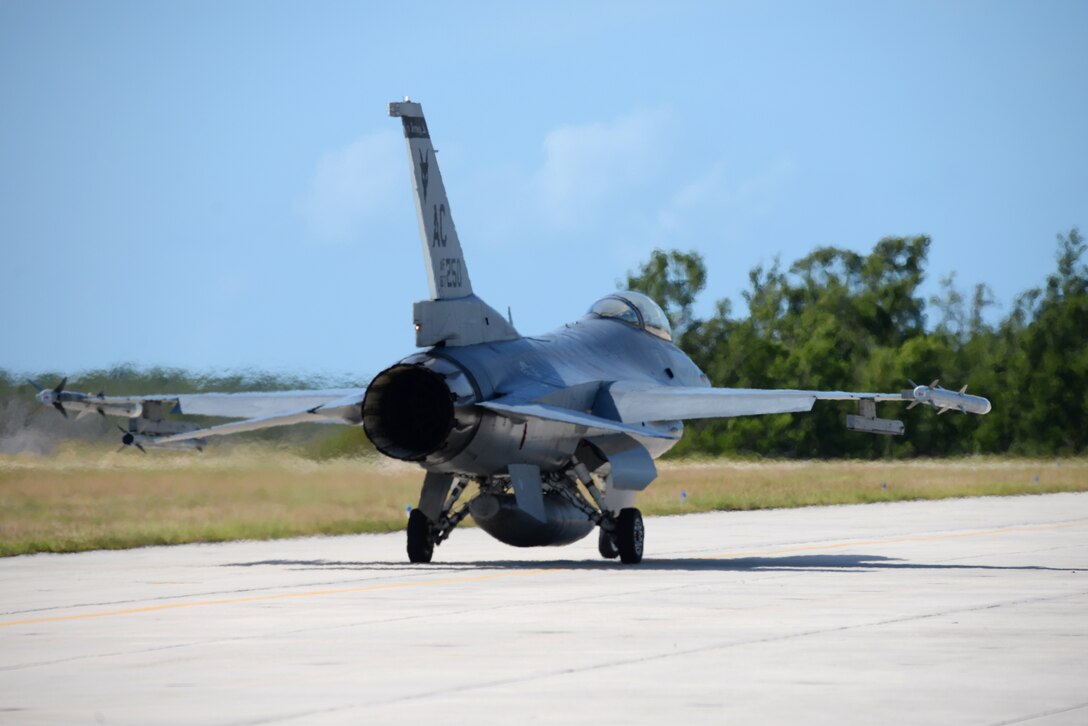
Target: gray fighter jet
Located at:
point(551, 436)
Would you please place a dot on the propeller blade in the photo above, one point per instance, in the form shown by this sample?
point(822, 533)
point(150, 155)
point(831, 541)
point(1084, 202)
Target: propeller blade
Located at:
point(56, 405)
point(101, 412)
point(32, 414)
point(120, 449)
point(40, 389)
point(61, 385)
point(912, 405)
point(912, 383)
point(128, 439)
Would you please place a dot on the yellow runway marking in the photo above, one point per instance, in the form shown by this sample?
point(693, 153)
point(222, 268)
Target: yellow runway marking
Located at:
point(496, 576)
point(261, 598)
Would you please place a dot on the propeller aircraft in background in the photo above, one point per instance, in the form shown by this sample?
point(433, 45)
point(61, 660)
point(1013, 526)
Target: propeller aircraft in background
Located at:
point(539, 439)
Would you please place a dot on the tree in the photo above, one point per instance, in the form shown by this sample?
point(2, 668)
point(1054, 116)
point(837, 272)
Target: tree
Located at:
point(673, 279)
point(838, 319)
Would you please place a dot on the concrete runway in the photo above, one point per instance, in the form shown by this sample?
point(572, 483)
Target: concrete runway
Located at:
point(969, 611)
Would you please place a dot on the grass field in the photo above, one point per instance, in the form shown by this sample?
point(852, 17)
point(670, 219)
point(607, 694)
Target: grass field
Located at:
point(82, 499)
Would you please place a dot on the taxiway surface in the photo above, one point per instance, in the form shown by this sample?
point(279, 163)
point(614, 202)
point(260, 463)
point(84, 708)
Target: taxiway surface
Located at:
point(971, 611)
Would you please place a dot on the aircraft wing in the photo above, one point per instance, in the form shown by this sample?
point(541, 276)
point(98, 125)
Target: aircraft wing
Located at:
point(635, 403)
point(242, 405)
point(344, 410)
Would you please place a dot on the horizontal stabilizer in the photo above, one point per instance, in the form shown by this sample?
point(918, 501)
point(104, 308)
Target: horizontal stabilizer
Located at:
point(522, 411)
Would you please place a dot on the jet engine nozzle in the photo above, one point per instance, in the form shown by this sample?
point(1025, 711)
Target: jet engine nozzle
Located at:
point(421, 409)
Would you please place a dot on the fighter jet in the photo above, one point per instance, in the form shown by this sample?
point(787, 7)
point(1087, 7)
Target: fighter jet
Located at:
point(539, 439)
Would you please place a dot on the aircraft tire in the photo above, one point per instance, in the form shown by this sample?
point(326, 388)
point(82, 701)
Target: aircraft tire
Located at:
point(606, 545)
point(630, 536)
point(420, 546)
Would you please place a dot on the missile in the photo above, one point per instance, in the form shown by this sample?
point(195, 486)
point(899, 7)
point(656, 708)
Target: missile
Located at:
point(86, 403)
point(143, 442)
point(945, 400)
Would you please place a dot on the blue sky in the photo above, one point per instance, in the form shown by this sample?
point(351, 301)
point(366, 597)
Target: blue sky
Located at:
point(217, 185)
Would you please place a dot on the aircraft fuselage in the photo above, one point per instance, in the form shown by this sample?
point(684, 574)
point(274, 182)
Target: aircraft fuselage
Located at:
point(565, 368)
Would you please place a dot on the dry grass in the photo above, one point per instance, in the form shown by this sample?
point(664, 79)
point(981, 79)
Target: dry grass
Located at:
point(731, 485)
point(79, 499)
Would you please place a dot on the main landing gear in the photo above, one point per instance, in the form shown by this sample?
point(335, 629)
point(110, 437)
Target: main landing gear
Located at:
point(423, 531)
point(420, 541)
point(626, 538)
point(621, 535)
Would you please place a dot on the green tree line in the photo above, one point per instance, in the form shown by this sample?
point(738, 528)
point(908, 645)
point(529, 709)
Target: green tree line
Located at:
point(833, 320)
point(839, 320)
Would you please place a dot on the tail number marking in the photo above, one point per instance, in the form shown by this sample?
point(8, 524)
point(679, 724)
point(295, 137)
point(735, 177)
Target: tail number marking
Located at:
point(449, 272)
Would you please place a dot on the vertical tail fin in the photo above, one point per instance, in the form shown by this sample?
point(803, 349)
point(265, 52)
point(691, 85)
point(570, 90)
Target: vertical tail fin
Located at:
point(453, 315)
point(447, 274)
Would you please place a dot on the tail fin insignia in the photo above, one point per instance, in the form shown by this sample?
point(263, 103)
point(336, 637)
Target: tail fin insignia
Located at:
point(453, 315)
point(447, 273)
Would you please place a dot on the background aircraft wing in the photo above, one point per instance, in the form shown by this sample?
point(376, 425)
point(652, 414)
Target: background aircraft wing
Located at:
point(639, 403)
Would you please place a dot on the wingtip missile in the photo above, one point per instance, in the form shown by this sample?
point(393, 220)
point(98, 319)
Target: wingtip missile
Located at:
point(945, 400)
point(51, 396)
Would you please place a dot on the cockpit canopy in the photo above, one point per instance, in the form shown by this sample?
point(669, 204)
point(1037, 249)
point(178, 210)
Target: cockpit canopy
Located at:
point(636, 310)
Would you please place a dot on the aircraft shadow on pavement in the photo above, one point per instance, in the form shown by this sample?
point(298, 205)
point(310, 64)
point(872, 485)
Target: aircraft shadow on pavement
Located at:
point(810, 563)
